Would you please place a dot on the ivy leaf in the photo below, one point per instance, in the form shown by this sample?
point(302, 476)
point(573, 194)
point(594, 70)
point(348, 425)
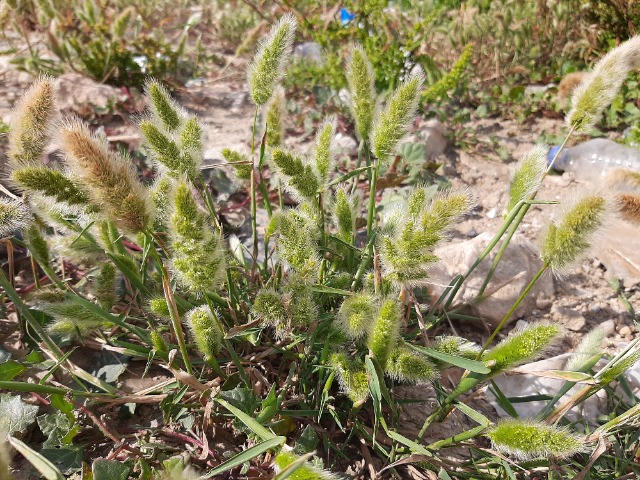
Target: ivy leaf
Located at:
point(110, 470)
point(15, 415)
point(67, 459)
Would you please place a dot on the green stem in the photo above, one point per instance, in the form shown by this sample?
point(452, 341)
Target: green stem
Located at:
point(513, 308)
point(46, 339)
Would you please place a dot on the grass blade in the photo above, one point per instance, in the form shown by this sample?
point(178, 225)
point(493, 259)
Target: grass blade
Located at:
point(247, 455)
point(40, 463)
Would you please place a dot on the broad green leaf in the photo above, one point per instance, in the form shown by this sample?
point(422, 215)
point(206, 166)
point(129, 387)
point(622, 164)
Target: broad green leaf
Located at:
point(40, 463)
point(307, 442)
point(15, 415)
point(67, 459)
point(246, 456)
point(110, 470)
point(10, 370)
point(254, 426)
point(467, 364)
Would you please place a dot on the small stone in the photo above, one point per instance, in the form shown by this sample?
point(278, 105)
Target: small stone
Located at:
point(624, 331)
point(492, 213)
point(608, 327)
point(521, 324)
point(472, 233)
point(435, 138)
point(346, 144)
point(543, 303)
point(571, 319)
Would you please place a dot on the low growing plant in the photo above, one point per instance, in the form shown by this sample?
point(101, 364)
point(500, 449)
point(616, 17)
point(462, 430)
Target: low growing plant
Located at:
point(315, 328)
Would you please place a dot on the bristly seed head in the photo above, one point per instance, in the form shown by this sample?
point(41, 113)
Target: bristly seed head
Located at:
point(393, 123)
point(31, 124)
point(108, 178)
point(163, 107)
point(356, 315)
point(527, 176)
point(522, 345)
point(361, 78)
point(528, 439)
point(275, 118)
point(405, 365)
point(205, 330)
point(601, 86)
point(267, 67)
point(352, 376)
point(324, 149)
point(14, 216)
point(385, 331)
point(571, 239)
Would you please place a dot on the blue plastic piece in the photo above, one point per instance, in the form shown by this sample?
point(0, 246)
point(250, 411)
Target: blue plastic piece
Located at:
point(551, 155)
point(346, 16)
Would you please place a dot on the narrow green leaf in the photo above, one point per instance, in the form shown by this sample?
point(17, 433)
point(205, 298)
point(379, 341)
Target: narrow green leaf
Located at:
point(467, 364)
point(40, 463)
point(254, 426)
point(247, 455)
point(376, 393)
point(348, 175)
point(330, 290)
point(473, 414)
point(503, 401)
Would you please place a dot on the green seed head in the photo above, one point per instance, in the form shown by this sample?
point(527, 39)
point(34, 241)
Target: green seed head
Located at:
point(405, 365)
point(122, 22)
point(571, 239)
point(37, 244)
point(306, 472)
point(361, 78)
point(30, 127)
point(324, 149)
point(384, 333)
point(356, 315)
point(109, 179)
point(601, 86)
point(158, 306)
point(618, 366)
point(352, 376)
point(205, 330)
point(51, 183)
point(587, 349)
point(240, 162)
point(297, 175)
point(521, 346)
point(297, 241)
point(393, 123)
point(298, 297)
point(269, 307)
point(411, 232)
point(70, 319)
point(198, 257)
point(528, 439)
point(458, 346)
point(347, 208)
point(527, 176)
point(158, 342)
point(167, 153)
point(267, 67)
point(275, 118)
point(14, 216)
point(163, 107)
point(104, 286)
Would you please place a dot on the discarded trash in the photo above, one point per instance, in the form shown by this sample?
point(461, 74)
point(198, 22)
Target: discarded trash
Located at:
point(595, 159)
point(346, 16)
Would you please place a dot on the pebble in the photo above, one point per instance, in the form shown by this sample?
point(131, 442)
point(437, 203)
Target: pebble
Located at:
point(543, 303)
point(608, 327)
point(624, 331)
point(571, 319)
point(472, 233)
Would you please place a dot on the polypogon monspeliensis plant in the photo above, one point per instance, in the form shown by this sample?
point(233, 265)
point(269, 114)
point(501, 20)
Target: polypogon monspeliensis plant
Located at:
point(327, 313)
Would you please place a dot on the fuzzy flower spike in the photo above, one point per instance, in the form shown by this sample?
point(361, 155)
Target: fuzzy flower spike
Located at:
point(197, 254)
point(31, 124)
point(602, 85)
point(108, 178)
point(14, 216)
point(361, 78)
point(527, 439)
point(571, 238)
point(267, 67)
point(393, 123)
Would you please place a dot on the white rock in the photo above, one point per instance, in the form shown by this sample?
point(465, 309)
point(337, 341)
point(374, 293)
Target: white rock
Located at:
point(346, 144)
point(76, 91)
point(434, 137)
point(517, 267)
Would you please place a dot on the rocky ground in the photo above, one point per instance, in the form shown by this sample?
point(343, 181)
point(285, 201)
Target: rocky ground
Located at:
point(581, 299)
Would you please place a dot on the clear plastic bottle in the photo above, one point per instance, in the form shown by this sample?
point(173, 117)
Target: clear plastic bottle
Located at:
point(594, 159)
